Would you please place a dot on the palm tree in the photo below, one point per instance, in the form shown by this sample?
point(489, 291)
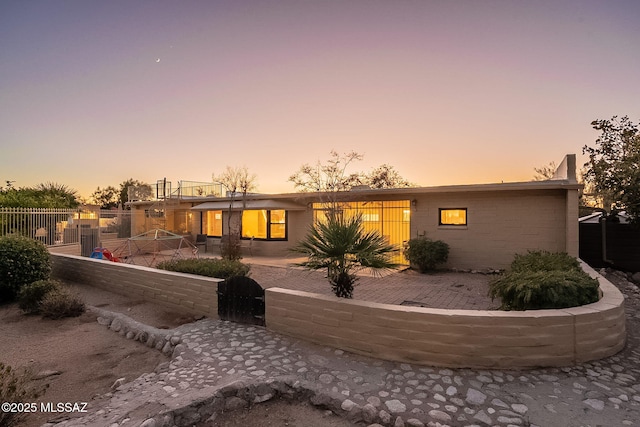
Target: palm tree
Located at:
point(342, 246)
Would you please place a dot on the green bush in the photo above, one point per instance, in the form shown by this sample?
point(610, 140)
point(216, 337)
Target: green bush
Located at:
point(543, 280)
point(425, 253)
point(15, 388)
point(61, 303)
point(211, 267)
point(31, 295)
point(22, 261)
point(545, 261)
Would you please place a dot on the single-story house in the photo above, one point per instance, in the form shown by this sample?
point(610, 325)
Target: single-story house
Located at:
point(484, 224)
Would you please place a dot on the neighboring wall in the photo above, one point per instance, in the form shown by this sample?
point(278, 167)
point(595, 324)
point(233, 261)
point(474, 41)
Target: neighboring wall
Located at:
point(454, 338)
point(183, 292)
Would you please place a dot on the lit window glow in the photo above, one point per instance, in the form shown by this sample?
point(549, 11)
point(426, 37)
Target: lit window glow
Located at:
point(214, 223)
point(453, 216)
point(264, 224)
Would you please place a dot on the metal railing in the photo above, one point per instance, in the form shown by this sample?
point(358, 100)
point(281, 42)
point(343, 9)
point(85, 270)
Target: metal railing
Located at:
point(185, 190)
point(66, 226)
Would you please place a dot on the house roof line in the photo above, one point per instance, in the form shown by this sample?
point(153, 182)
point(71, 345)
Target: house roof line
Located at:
point(555, 184)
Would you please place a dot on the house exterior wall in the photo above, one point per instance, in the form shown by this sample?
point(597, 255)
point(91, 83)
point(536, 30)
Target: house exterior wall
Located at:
point(499, 225)
point(138, 224)
point(502, 219)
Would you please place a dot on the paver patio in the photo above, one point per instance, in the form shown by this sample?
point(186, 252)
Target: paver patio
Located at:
point(444, 289)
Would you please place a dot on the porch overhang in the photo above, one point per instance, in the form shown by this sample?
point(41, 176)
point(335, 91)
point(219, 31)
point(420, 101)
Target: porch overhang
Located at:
point(238, 205)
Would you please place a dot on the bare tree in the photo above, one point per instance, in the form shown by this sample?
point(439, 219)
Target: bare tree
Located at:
point(236, 180)
point(385, 176)
point(545, 172)
point(328, 177)
point(332, 176)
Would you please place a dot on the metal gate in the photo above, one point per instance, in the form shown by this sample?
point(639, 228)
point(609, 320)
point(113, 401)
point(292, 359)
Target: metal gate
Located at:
point(241, 299)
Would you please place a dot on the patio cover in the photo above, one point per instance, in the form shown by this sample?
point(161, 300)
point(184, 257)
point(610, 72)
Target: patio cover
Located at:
point(249, 204)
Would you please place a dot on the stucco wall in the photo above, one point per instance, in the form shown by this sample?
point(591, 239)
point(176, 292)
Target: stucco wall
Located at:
point(454, 338)
point(183, 292)
point(499, 225)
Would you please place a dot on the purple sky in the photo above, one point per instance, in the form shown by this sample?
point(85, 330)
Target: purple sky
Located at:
point(448, 92)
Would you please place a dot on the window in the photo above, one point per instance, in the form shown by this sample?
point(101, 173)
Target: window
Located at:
point(213, 223)
point(264, 224)
point(456, 216)
point(391, 218)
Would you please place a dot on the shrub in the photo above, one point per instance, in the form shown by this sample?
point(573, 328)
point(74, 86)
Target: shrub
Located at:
point(61, 303)
point(543, 280)
point(31, 295)
point(425, 253)
point(15, 388)
point(545, 261)
point(22, 261)
point(210, 267)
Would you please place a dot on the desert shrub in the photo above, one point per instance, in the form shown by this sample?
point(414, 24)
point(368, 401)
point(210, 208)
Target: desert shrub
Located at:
point(543, 280)
point(15, 387)
point(211, 267)
point(22, 261)
point(31, 295)
point(61, 302)
point(544, 261)
point(425, 253)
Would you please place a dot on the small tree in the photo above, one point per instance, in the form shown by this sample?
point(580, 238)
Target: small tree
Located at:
point(332, 176)
point(614, 165)
point(143, 191)
point(235, 180)
point(385, 176)
point(341, 245)
point(106, 198)
point(545, 172)
point(328, 177)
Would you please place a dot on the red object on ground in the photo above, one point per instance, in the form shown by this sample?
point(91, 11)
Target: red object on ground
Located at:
point(103, 253)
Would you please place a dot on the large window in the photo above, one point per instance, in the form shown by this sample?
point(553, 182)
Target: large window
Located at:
point(391, 218)
point(212, 223)
point(264, 224)
point(456, 216)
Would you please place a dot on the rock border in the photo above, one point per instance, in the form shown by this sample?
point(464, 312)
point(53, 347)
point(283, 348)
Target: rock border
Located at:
point(164, 340)
point(240, 394)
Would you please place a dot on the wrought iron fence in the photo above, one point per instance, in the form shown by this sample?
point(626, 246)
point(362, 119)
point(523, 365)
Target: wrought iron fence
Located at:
point(66, 226)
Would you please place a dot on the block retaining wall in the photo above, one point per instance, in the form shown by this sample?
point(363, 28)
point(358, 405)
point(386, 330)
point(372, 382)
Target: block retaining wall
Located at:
point(187, 293)
point(454, 338)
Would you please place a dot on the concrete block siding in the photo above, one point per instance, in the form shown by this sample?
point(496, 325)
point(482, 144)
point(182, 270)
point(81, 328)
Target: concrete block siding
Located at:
point(454, 338)
point(499, 225)
point(183, 292)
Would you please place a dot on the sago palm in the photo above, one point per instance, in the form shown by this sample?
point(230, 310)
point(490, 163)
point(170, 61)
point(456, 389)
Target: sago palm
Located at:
point(342, 246)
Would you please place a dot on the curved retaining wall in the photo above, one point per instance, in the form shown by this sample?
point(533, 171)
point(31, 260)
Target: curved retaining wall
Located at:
point(454, 338)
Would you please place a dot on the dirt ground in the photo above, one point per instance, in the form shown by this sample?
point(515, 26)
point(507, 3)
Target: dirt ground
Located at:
point(279, 413)
point(84, 357)
point(88, 358)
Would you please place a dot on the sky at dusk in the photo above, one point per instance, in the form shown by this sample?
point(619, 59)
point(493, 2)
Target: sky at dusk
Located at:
point(447, 92)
